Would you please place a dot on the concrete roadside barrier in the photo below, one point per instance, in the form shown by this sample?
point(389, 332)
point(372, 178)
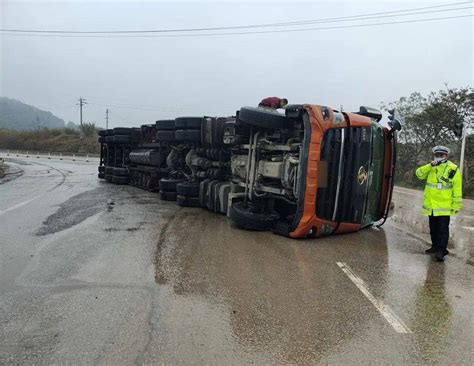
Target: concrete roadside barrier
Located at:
point(407, 214)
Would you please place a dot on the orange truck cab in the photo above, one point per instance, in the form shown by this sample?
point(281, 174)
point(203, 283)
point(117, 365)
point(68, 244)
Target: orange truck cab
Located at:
point(312, 171)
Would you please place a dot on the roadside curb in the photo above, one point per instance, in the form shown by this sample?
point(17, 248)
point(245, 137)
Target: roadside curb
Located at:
point(11, 173)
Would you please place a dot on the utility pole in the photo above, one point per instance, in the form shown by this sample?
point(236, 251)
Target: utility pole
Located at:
point(107, 119)
point(82, 102)
point(463, 147)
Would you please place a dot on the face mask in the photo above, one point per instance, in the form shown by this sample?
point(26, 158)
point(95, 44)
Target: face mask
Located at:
point(439, 160)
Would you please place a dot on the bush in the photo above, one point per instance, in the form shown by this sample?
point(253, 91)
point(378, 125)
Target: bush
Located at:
point(64, 140)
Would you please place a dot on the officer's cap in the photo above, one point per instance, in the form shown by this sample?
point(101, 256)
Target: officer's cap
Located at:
point(440, 150)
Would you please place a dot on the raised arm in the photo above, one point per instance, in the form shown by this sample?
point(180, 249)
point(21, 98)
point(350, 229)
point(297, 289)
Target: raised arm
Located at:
point(423, 171)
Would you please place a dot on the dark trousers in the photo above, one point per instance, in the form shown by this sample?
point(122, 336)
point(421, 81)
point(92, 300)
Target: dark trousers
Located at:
point(439, 231)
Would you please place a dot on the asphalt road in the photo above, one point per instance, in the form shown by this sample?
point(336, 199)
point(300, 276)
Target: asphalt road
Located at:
point(144, 281)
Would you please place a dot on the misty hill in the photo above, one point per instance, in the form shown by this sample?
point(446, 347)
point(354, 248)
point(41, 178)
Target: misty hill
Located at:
point(16, 115)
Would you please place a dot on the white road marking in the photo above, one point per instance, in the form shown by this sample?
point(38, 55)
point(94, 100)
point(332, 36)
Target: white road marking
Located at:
point(17, 206)
point(383, 308)
point(468, 228)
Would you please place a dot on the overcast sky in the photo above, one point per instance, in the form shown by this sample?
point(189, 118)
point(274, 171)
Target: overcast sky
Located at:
point(144, 79)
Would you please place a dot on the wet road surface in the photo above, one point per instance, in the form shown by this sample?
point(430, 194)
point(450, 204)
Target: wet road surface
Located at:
point(144, 281)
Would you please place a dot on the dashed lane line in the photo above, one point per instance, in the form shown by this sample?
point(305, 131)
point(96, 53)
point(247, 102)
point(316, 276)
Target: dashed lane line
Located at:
point(383, 308)
point(16, 206)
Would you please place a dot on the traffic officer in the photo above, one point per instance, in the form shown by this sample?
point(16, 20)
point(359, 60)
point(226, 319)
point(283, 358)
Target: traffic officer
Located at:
point(442, 198)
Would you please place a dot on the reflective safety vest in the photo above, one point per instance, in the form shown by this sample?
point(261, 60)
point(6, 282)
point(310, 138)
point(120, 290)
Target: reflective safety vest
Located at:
point(443, 189)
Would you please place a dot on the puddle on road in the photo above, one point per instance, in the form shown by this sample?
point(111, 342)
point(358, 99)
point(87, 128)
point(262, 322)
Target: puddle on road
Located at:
point(75, 210)
point(273, 289)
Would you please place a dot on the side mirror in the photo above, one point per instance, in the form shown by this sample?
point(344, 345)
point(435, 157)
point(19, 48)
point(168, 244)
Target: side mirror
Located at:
point(395, 126)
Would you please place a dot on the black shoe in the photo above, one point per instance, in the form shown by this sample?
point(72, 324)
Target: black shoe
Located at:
point(430, 251)
point(439, 256)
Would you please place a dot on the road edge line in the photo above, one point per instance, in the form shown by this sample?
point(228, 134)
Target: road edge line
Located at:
point(384, 309)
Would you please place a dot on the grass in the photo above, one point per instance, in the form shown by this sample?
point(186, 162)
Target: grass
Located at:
point(51, 140)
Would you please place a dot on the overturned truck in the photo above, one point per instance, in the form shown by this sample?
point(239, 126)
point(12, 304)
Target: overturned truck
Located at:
point(310, 172)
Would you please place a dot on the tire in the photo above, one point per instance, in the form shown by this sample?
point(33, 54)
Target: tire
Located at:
point(183, 123)
point(122, 131)
point(187, 201)
point(120, 180)
point(263, 118)
point(108, 178)
point(165, 136)
point(169, 184)
point(168, 196)
point(109, 132)
point(101, 169)
point(101, 140)
point(188, 135)
point(109, 139)
point(244, 217)
point(102, 133)
point(109, 170)
point(101, 175)
point(121, 139)
point(188, 189)
point(165, 124)
point(121, 172)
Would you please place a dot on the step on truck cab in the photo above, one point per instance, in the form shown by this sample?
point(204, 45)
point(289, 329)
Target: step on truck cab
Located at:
point(312, 171)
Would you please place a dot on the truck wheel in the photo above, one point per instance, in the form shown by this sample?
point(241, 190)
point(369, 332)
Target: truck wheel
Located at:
point(109, 139)
point(188, 135)
point(122, 131)
point(120, 180)
point(121, 139)
point(102, 133)
point(168, 196)
point(121, 172)
point(182, 123)
point(187, 201)
point(101, 139)
point(108, 178)
point(245, 217)
point(165, 136)
point(101, 175)
point(188, 189)
point(263, 118)
point(169, 184)
point(101, 169)
point(165, 124)
point(109, 170)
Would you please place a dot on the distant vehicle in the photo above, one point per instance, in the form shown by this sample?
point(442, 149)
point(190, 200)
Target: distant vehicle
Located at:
point(310, 172)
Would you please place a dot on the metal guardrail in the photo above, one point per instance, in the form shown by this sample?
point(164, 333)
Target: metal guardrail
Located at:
point(51, 155)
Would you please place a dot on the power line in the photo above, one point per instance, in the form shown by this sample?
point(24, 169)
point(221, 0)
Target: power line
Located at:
point(243, 33)
point(368, 16)
point(127, 107)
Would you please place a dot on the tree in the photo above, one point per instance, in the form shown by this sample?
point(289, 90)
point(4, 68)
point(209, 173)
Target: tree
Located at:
point(429, 121)
point(88, 129)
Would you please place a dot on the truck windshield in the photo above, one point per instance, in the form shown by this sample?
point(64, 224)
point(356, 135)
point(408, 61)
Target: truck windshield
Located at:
point(346, 157)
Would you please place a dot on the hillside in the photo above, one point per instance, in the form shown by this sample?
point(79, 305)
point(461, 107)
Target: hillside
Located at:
point(16, 115)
